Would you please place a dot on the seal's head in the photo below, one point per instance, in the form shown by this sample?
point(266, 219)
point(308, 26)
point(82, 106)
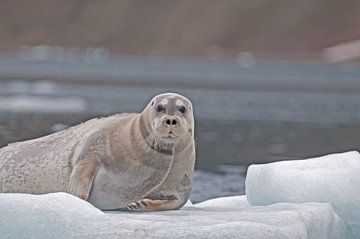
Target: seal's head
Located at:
point(172, 117)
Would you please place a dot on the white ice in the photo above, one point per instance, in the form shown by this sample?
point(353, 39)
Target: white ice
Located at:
point(332, 179)
point(60, 215)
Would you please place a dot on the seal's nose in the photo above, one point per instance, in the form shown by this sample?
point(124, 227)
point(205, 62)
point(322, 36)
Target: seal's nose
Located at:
point(170, 120)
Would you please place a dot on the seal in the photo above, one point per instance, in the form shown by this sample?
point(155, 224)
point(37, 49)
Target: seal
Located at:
point(134, 161)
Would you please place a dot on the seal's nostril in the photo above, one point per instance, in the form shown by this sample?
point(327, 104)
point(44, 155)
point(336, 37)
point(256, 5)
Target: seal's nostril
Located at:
point(173, 122)
point(168, 122)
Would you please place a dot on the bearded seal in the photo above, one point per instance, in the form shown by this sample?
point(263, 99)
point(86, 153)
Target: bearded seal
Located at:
point(134, 161)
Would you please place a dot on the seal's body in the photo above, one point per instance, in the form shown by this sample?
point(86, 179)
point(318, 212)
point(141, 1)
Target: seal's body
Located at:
point(142, 162)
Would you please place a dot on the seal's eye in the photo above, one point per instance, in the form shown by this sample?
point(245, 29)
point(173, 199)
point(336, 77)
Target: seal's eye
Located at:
point(182, 109)
point(160, 108)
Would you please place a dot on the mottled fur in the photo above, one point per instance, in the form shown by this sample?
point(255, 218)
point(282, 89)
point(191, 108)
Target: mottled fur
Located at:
point(121, 161)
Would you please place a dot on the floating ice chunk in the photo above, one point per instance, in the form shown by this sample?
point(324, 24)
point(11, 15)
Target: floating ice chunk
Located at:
point(42, 104)
point(188, 204)
point(60, 215)
point(333, 178)
point(58, 127)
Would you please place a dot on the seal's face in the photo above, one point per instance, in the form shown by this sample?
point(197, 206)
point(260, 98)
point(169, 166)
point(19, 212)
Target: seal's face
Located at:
point(172, 117)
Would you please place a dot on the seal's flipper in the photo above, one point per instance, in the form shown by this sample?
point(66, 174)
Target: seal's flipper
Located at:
point(82, 177)
point(148, 205)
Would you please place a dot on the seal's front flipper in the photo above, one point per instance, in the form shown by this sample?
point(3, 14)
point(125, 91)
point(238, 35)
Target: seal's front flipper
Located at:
point(148, 205)
point(82, 177)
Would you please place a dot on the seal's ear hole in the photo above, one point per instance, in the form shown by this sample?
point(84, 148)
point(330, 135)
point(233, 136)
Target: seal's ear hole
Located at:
point(152, 103)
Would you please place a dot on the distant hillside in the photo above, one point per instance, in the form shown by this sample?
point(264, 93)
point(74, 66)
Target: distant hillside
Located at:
point(181, 26)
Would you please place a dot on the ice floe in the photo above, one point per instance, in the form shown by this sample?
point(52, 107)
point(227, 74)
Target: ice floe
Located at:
point(60, 215)
point(330, 179)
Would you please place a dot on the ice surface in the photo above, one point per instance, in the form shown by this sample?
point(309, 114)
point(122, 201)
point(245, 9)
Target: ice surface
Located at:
point(232, 202)
point(45, 216)
point(333, 178)
point(60, 215)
